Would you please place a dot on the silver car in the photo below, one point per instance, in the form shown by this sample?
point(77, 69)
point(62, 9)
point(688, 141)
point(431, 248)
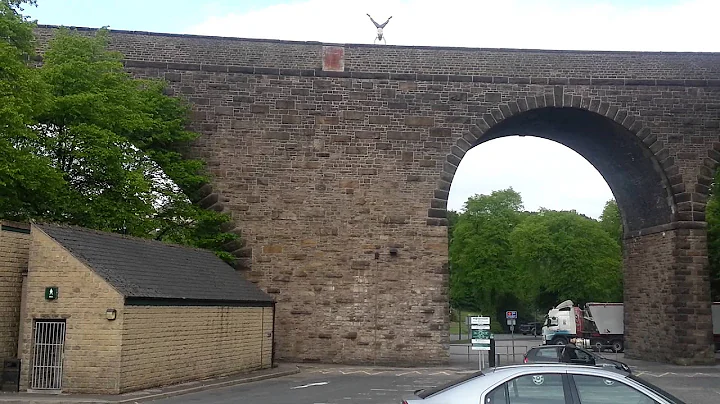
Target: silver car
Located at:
point(559, 383)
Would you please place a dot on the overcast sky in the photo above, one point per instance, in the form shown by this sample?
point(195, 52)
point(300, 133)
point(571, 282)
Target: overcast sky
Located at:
point(554, 178)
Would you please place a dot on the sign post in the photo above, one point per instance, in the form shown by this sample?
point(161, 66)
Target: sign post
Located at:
point(480, 336)
point(511, 317)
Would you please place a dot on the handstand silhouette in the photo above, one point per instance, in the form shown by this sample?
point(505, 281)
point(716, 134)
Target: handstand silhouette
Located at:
point(379, 27)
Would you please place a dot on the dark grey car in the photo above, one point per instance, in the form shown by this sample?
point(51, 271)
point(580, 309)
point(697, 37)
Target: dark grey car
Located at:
point(573, 354)
point(531, 328)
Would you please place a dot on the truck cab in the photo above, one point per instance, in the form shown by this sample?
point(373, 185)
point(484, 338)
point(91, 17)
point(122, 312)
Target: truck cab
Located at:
point(560, 324)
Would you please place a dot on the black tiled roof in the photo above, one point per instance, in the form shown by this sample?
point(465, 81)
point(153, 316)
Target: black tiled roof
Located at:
point(149, 269)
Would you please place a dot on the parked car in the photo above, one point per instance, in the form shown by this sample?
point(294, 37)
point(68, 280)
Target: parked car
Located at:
point(546, 383)
point(531, 328)
point(572, 354)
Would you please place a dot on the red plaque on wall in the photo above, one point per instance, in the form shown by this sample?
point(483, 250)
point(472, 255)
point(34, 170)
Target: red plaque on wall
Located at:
point(333, 58)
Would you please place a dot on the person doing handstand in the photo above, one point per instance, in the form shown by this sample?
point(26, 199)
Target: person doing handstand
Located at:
point(379, 27)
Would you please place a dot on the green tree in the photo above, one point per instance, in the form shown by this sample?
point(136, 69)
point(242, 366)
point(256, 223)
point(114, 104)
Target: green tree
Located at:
point(29, 186)
point(561, 255)
point(15, 28)
point(712, 215)
point(611, 222)
point(480, 250)
point(84, 143)
point(119, 142)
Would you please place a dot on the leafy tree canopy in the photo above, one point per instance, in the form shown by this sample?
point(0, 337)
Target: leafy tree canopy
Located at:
point(611, 222)
point(712, 215)
point(502, 257)
point(84, 143)
point(480, 249)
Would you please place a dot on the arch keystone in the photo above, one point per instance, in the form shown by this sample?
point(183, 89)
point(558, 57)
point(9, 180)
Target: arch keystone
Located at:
point(576, 101)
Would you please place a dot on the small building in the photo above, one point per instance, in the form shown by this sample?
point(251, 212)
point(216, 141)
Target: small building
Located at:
point(107, 313)
point(14, 246)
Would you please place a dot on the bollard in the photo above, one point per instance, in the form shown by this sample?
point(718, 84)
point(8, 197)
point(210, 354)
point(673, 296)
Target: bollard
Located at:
point(491, 354)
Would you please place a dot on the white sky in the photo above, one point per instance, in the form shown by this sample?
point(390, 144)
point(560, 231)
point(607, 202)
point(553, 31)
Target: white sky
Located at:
point(555, 178)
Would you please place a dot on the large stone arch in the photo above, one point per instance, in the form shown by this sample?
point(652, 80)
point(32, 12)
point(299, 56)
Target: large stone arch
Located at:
point(503, 119)
point(664, 230)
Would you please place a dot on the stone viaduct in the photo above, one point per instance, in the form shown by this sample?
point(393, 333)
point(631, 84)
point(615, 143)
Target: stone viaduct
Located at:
point(335, 162)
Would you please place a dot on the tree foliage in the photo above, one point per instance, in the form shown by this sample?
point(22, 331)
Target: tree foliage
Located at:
point(480, 249)
point(611, 222)
point(84, 143)
point(28, 184)
point(712, 215)
point(566, 256)
point(503, 258)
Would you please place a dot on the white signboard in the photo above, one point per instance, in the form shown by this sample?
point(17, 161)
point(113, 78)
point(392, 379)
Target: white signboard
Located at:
point(480, 320)
point(480, 332)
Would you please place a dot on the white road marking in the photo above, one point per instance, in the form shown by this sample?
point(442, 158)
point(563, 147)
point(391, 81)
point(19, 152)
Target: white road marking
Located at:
point(308, 385)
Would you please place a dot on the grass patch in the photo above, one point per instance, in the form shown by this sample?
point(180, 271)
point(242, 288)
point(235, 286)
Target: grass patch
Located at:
point(458, 328)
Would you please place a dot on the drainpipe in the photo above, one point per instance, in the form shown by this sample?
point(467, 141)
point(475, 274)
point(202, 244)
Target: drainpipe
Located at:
point(272, 350)
point(23, 310)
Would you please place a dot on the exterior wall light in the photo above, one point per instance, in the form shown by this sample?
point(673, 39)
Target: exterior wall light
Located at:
point(111, 314)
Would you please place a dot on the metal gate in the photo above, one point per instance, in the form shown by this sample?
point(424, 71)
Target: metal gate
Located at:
point(48, 355)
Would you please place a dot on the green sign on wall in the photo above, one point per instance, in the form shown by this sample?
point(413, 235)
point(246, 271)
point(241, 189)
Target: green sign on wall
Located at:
point(51, 293)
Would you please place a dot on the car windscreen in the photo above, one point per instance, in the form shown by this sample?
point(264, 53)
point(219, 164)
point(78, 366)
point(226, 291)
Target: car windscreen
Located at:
point(428, 392)
point(657, 390)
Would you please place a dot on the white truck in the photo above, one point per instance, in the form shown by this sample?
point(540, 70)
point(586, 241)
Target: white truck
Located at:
point(599, 326)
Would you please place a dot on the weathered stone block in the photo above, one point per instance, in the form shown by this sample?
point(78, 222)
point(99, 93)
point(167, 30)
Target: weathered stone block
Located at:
point(259, 109)
point(379, 120)
point(419, 121)
point(409, 136)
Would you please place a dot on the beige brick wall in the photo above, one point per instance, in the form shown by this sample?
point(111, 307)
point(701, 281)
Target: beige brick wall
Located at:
point(169, 344)
point(92, 345)
point(14, 248)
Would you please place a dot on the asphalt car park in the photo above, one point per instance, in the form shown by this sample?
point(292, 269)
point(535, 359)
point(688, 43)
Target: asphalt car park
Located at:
point(335, 385)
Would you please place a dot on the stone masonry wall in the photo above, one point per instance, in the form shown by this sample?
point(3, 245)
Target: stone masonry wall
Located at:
point(674, 293)
point(168, 345)
point(92, 343)
point(189, 52)
point(320, 173)
point(14, 248)
point(324, 162)
point(647, 278)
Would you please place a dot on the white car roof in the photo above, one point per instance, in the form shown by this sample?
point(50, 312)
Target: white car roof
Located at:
point(459, 393)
